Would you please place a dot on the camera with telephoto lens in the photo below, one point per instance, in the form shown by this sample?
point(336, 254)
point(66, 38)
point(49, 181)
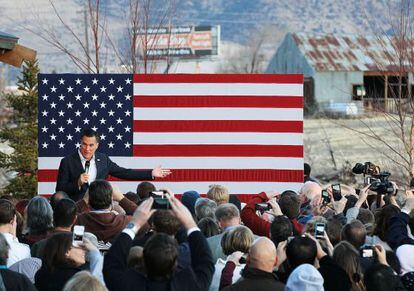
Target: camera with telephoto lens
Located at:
point(367, 168)
point(379, 179)
point(262, 207)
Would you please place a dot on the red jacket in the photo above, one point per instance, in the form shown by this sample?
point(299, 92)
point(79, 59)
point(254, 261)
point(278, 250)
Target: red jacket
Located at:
point(255, 223)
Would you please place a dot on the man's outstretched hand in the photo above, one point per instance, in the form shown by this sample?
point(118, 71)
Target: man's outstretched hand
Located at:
point(159, 172)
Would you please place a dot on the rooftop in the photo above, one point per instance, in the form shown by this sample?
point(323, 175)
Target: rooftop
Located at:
point(7, 41)
point(329, 52)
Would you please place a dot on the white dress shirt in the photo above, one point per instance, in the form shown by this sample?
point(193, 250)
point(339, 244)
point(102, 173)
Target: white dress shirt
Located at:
point(92, 167)
point(18, 251)
point(220, 264)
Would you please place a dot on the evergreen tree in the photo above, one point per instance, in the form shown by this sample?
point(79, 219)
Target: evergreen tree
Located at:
point(21, 135)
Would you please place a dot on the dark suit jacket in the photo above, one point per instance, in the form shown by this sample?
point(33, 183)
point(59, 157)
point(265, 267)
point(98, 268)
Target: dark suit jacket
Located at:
point(397, 232)
point(197, 277)
point(56, 280)
point(14, 281)
point(71, 168)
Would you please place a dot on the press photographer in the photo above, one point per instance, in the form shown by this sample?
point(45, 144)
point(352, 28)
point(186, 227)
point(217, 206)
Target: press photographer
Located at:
point(379, 183)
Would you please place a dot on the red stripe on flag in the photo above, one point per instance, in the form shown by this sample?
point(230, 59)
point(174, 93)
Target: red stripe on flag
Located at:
point(206, 175)
point(245, 198)
point(219, 101)
point(219, 78)
point(295, 151)
point(217, 126)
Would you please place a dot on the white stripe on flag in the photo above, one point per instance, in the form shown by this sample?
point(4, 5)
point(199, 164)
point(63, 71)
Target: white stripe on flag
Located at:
point(201, 187)
point(206, 89)
point(50, 163)
point(185, 113)
point(227, 138)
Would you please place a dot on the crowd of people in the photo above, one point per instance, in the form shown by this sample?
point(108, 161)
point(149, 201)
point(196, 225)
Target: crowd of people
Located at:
point(275, 241)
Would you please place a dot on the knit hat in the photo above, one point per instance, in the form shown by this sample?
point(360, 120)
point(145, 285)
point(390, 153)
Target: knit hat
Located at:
point(305, 278)
point(405, 254)
point(189, 199)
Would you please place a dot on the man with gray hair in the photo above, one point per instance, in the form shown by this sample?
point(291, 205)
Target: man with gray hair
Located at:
point(227, 216)
point(205, 207)
point(10, 280)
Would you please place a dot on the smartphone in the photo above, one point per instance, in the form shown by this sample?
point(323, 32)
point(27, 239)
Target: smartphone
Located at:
point(336, 192)
point(319, 230)
point(158, 194)
point(243, 259)
point(160, 200)
point(78, 232)
point(262, 207)
point(367, 251)
point(367, 180)
point(325, 197)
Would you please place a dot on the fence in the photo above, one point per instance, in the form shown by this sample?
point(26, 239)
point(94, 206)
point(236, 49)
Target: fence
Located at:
point(389, 105)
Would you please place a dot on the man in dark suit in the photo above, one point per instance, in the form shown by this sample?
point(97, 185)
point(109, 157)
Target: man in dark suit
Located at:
point(81, 168)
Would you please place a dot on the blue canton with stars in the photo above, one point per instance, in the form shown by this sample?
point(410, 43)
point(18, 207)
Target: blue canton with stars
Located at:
point(70, 102)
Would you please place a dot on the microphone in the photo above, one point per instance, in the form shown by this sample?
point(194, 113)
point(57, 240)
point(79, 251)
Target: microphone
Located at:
point(87, 165)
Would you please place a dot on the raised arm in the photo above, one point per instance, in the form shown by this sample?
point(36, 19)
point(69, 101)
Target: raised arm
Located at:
point(397, 232)
point(251, 220)
point(201, 258)
point(115, 263)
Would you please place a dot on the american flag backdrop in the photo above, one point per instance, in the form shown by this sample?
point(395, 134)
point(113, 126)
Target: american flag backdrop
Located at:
point(241, 131)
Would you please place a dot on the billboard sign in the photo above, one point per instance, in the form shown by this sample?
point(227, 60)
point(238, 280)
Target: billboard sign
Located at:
point(182, 41)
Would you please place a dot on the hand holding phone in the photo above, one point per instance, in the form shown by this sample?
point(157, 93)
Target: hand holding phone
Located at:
point(336, 192)
point(367, 251)
point(320, 230)
point(325, 197)
point(78, 232)
point(160, 200)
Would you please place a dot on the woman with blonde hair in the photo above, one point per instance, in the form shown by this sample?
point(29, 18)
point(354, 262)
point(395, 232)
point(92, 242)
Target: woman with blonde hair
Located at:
point(219, 194)
point(238, 239)
point(84, 281)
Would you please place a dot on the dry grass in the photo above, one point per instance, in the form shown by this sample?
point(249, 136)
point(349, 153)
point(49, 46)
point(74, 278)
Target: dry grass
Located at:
point(349, 146)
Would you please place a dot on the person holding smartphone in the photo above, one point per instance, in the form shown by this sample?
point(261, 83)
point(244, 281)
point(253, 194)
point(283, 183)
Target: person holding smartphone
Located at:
point(159, 255)
point(64, 258)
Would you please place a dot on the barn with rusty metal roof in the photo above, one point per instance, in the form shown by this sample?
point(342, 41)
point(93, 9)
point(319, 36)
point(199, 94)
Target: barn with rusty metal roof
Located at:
point(345, 72)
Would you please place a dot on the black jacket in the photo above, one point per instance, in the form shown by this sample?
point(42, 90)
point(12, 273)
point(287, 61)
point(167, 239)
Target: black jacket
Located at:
point(397, 231)
point(71, 168)
point(55, 281)
point(334, 277)
point(118, 277)
point(14, 281)
point(256, 280)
